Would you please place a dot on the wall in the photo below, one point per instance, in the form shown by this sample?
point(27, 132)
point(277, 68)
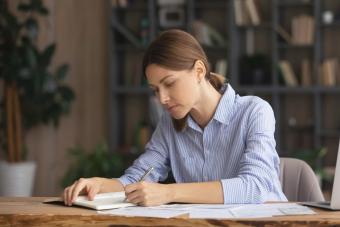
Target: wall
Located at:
point(80, 29)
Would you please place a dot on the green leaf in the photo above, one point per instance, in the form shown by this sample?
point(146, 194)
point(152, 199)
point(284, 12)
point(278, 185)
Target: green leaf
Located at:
point(46, 56)
point(31, 56)
point(24, 7)
point(62, 72)
point(43, 11)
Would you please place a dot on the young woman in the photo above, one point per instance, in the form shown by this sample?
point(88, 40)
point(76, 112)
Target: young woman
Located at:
point(219, 146)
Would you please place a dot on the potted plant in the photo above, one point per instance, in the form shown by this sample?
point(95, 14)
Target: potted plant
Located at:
point(99, 162)
point(32, 94)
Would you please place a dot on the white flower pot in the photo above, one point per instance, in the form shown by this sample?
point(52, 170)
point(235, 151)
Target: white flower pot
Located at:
point(17, 179)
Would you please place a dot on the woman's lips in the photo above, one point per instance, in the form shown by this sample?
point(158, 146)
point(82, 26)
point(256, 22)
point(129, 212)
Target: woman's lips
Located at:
point(171, 107)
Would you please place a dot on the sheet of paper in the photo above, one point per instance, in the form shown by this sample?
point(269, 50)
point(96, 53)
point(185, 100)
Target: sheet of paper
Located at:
point(210, 213)
point(269, 210)
point(144, 212)
point(196, 206)
point(214, 211)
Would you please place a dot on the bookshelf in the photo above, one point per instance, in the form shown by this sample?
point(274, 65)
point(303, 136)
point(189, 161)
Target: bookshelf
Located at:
point(307, 113)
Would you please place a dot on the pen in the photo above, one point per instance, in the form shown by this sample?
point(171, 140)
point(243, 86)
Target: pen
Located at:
point(143, 178)
point(146, 174)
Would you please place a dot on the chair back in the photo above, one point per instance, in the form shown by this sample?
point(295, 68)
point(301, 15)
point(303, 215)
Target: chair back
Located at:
point(299, 182)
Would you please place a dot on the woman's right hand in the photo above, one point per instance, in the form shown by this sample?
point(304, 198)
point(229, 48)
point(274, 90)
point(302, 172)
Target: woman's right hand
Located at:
point(83, 186)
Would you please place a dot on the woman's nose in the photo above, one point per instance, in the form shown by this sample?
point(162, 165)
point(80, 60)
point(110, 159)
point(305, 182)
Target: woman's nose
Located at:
point(163, 97)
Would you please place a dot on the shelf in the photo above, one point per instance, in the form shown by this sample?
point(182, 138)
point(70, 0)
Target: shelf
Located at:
point(329, 89)
point(297, 89)
point(254, 89)
point(330, 133)
point(295, 46)
point(220, 5)
point(131, 90)
point(334, 25)
point(129, 47)
point(262, 26)
point(223, 49)
point(131, 8)
point(296, 3)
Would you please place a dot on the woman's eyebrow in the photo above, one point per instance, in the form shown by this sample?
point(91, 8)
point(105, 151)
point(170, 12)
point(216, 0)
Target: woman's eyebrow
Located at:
point(161, 81)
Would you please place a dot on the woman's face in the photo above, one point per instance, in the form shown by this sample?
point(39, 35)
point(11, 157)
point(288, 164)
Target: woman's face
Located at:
point(177, 91)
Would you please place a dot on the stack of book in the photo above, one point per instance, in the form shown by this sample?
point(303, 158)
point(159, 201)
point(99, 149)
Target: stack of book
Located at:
point(303, 30)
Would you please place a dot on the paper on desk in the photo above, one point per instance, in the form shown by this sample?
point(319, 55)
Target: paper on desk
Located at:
point(210, 213)
point(144, 212)
point(269, 210)
point(217, 211)
point(196, 206)
point(214, 211)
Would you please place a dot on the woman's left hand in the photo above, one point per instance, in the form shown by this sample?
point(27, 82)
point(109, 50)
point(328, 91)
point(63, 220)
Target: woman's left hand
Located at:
point(148, 194)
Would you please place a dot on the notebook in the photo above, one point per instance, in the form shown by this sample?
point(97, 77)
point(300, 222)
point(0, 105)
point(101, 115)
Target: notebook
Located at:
point(102, 201)
point(334, 204)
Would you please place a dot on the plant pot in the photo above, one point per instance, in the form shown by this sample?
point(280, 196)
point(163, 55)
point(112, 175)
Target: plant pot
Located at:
point(17, 179)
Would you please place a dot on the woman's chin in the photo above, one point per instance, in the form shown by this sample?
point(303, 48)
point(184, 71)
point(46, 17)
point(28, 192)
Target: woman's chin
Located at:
point(178, 116)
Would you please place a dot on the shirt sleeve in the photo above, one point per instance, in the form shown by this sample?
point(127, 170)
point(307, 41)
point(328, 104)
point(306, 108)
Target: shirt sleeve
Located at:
point(258, 167)
point(156, 155)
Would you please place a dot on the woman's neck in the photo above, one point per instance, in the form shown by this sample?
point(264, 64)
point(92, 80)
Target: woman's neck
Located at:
point(206, 106)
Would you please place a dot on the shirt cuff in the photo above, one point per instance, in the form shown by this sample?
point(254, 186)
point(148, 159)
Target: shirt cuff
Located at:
point(124, 180)
point(235, 191)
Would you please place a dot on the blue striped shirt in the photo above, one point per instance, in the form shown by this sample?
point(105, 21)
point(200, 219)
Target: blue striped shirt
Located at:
point(237, 148)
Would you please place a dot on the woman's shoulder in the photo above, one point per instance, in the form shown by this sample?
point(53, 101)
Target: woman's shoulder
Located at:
point(253, 103)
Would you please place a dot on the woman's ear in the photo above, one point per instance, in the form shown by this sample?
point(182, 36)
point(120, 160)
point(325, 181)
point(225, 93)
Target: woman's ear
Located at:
point(200, 70)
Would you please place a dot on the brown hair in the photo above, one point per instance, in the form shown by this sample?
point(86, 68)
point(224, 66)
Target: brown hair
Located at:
point(178, 50)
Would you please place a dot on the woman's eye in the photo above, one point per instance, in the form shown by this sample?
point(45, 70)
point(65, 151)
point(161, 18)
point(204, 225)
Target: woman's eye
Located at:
point(169, 84)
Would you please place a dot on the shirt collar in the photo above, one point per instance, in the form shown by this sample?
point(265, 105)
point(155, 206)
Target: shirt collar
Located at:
point(224, 108)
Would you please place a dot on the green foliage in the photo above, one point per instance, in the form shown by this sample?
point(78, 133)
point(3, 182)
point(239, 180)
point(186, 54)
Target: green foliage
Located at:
point(313, 157)
point(44, 96)
point(99, 162)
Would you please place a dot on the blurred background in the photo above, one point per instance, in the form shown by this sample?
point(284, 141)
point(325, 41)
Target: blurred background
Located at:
point(74, 102)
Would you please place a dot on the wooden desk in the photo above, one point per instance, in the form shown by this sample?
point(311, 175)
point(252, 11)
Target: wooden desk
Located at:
point(32, 212)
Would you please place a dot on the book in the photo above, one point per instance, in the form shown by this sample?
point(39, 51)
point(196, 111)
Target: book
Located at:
point(328, 69)
point(102, 201)
point(288, 73)
point(252, 12)
point(284, 34)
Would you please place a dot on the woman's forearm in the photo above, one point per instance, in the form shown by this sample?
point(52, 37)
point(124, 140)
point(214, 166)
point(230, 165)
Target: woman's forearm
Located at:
point(205, 192)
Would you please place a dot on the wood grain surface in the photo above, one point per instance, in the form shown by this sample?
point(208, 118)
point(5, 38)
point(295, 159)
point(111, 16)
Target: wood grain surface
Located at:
point(32, 212)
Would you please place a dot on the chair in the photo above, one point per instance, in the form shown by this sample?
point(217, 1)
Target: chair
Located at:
point(299, 182)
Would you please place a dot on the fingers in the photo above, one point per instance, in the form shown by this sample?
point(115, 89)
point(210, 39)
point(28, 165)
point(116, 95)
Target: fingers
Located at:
point(131, 187)
point(78, 187)
point(136, 193)
point(92, 192)
point(65, 195)
point(71, 192)
point(68, 194)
